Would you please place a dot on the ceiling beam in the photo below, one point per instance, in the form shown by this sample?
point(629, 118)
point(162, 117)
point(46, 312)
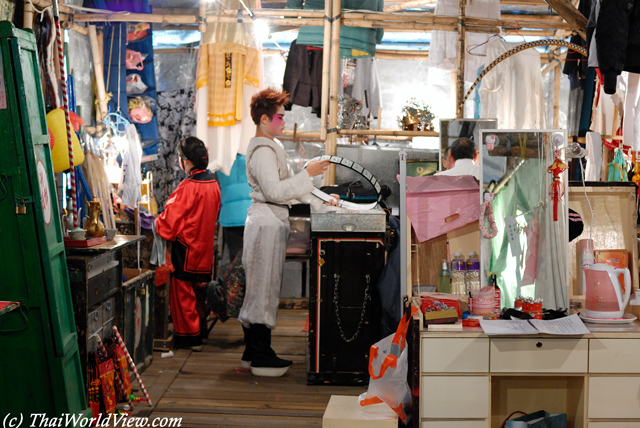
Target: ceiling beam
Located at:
point(571, 14)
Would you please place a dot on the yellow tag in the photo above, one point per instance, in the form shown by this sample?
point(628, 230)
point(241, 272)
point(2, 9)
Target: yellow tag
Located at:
point(321, 262)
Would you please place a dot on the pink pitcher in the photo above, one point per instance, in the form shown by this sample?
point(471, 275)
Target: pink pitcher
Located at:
point(604, 297)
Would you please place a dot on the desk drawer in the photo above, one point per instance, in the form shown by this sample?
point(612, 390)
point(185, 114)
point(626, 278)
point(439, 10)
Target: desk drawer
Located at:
point(454, 397)
point(539, 355)
point(448, 355)
point(102, 285)
point(614, 397)
point(613, 425)
point(614, 355)
point(454, 424)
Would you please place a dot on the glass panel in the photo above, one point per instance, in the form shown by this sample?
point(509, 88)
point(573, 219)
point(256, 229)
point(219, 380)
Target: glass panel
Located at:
point(529, 254)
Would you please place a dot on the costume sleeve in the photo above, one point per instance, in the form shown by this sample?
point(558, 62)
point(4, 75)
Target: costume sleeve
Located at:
point(264, 165)
point(171, 221)
point(612, 30)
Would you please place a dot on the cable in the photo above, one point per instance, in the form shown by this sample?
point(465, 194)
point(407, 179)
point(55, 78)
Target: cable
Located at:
point(584, 187)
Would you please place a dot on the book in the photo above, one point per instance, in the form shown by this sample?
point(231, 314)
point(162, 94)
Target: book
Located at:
point(567, 326)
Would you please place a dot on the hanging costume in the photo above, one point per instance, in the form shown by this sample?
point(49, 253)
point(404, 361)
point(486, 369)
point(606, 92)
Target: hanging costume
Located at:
point(303, 77)
point(189, 220)
point(274, 186)
point(229, 74)
point(504, 95)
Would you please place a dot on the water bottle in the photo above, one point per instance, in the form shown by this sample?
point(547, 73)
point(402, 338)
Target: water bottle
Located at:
point(458, 274)
point(444, 279)
point(473, 273)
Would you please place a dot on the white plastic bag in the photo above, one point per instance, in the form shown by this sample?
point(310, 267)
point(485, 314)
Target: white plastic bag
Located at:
point(388, 367)
point(135, 85)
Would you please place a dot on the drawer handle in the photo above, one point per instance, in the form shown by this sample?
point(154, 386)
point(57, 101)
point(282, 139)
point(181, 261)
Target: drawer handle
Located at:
point(95, 316)
point(108, 305)
point(538, 344)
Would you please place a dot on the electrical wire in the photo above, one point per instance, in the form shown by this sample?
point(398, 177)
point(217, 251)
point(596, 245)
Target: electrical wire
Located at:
point(584, 188)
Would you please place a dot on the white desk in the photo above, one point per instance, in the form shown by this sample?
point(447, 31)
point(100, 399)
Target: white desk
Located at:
point(470, 380)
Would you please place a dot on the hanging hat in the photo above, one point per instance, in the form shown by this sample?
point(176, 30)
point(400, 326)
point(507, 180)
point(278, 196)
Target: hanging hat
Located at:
point(576, 225)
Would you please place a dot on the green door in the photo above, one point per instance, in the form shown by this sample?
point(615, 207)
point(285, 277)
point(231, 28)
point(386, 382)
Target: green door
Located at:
point(38, 341)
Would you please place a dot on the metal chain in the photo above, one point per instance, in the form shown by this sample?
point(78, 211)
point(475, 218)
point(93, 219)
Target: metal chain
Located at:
point(367, 297)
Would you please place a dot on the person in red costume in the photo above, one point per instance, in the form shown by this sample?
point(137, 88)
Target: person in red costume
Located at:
point(189, 221)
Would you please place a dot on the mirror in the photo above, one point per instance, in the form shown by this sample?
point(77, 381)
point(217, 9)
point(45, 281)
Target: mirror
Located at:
point(530, 252)
point(452, 129)
point(467, 238)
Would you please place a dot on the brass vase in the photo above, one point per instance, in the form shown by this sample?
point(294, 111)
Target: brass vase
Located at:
point(94, 226)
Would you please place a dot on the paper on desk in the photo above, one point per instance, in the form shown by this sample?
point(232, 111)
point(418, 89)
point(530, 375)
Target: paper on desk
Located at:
point(506, 327)
point(571, 325)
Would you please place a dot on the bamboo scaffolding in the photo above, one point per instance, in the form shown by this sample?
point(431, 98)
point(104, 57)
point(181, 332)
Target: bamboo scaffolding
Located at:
point(364, 132)
point(75, 27)
point(409, 4)
point(556, 98)
point(27, 21)
point(101, 106)
point(326, 71)
point(414, 21)
point(331, 142)
point(202, 16)
point(460, 59)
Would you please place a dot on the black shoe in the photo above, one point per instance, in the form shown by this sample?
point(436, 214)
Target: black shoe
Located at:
point(273, 367)
point(264, 361)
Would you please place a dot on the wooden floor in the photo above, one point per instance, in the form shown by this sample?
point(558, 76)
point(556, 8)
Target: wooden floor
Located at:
point(209, 389)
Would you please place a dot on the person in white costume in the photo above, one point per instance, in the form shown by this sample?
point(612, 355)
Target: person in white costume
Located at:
point(274, 188)
point(462, 159)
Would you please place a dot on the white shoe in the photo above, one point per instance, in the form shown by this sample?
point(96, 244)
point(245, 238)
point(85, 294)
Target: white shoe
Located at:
point(245, 364)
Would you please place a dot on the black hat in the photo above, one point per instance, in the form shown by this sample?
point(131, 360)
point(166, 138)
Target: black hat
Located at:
point(576, 226)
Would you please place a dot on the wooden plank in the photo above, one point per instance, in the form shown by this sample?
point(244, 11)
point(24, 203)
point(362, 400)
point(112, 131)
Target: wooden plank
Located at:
point(572, 15)
point(206, 389)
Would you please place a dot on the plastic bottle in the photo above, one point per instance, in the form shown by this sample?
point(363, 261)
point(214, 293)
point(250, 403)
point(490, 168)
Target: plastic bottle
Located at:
point(473, 273)
point(458, 274)
point(444, 279)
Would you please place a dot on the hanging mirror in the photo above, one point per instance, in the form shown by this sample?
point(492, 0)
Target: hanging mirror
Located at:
point(530, 252)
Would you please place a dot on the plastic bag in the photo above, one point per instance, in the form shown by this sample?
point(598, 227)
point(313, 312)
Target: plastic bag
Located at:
point(539, 419)
point(388, 367)
point(135, 85)
point(134, 60)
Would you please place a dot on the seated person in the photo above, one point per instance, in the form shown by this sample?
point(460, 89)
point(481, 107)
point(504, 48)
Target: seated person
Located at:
point(462, 159)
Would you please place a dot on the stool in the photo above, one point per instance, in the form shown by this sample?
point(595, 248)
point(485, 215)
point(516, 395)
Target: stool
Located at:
point(346, 412)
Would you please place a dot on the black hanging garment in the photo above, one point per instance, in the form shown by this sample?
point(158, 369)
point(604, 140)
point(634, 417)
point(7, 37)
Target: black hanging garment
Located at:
point(303, 77)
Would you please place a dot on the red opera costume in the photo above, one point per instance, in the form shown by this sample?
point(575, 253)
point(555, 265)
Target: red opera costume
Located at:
point(189, 221)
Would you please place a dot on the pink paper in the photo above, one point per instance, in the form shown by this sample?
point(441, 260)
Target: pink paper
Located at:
point(430, 200)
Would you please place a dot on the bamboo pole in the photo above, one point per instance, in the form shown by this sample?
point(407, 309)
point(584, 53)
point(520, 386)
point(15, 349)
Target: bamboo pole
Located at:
point(460, 60)
point(331, 143)
point(102, 109)
point(377, 132)
point(556, 99)
point(75, 27)
point(408, 4)
point(326, 70)
point(202, 16)
point(27, 22)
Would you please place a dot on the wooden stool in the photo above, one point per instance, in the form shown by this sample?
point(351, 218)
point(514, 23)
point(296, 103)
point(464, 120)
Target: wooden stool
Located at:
point(346, 412)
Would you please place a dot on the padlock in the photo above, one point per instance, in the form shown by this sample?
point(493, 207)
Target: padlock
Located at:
point(21, 209)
